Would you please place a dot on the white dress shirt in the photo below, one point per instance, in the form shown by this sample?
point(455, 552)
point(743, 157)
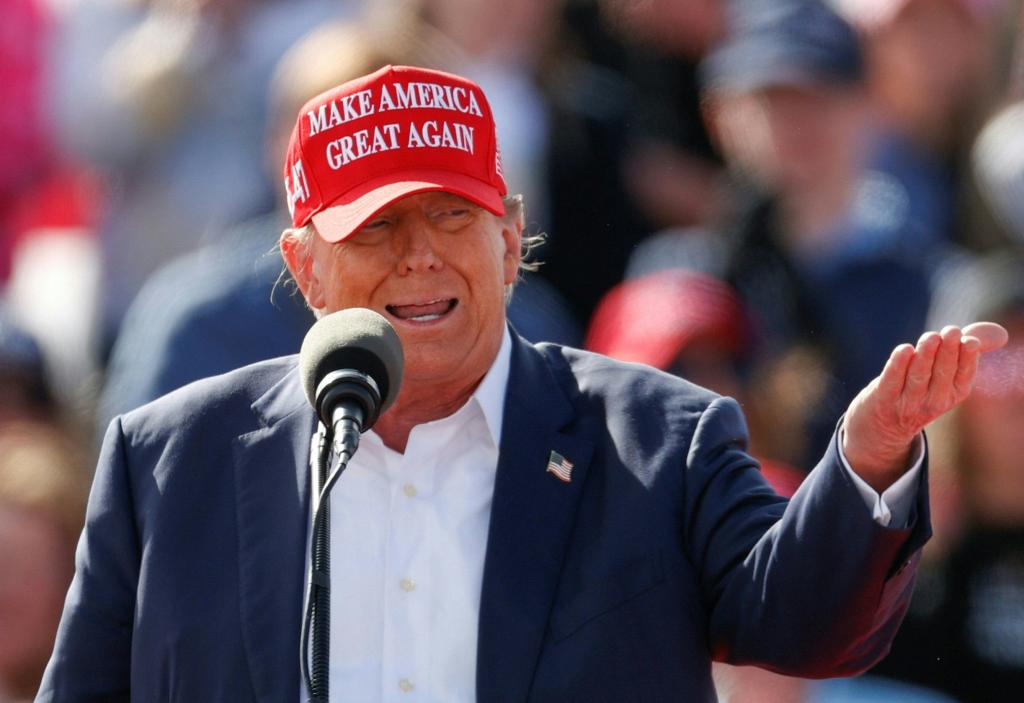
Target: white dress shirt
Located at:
point(408, 538)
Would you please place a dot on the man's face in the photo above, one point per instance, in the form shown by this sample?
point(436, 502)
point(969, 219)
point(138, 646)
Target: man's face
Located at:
point(436, 266)
point(792, 138)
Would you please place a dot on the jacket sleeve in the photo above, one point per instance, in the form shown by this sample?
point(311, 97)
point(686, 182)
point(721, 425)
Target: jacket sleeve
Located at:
point(815, 588)
point(92, 655)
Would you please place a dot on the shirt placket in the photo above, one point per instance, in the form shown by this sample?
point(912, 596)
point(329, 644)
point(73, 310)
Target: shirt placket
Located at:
point(408, 583)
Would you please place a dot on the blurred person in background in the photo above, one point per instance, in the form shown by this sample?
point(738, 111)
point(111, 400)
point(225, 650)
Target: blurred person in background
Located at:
point(48, 251)
point(54, 287)
point(998, 166)
point(599, 123)
point(24, 390)
point(930, 74)
point(672, 170)
point(43, 487)
point(964, 631)
point(23, 139)
point(166, 98)
point(785, 100)
point(626, 92)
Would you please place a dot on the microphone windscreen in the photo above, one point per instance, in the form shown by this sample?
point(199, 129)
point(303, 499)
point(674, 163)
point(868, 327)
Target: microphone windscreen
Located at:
point(357, 339)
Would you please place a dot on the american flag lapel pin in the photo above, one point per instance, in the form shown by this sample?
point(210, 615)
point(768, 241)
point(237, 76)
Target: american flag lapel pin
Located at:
point(560, 467)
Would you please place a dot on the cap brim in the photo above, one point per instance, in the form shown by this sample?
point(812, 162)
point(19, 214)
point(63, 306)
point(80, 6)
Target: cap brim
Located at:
point(347, 214)
point(783, 76)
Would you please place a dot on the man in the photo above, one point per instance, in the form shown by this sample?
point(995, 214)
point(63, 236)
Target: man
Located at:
point(525, 523)
point(817, 243)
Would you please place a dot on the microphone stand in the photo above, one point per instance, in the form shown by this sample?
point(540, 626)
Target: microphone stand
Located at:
point(347, 402)
point(316, 621)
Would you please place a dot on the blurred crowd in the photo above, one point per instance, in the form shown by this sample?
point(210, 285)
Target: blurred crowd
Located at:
point(763, 196)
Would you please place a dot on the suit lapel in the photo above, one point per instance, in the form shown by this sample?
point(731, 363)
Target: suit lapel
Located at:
point(531, 522)
point(272, 489)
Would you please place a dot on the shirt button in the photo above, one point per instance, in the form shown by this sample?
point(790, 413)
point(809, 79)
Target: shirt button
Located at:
point(409, 490)
point(407, 585)
point(405, 685)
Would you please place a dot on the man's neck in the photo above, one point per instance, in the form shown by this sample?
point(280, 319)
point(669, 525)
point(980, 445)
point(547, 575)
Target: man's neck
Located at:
point(417, 405)
point(421, 401)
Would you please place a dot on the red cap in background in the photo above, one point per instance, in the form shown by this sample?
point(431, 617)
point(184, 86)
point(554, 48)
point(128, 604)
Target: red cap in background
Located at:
point(651, 319)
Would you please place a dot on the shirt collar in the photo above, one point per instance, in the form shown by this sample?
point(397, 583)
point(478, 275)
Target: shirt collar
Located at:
point(490, 394)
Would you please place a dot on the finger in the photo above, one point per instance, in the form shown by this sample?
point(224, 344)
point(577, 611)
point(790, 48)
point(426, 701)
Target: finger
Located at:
point(920, 370)
point(967, 367)
point(990, 335)
point(894, 375)
point(945, 366)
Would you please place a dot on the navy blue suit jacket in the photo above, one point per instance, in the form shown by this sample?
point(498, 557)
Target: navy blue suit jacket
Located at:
point(665, 549)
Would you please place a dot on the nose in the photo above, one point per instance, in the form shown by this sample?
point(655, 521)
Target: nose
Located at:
point(416, 249)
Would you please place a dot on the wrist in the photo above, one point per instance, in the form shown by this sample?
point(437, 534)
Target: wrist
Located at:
point(879, 465)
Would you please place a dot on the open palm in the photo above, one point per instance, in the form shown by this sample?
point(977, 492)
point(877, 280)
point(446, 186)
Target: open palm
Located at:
point(918, 384)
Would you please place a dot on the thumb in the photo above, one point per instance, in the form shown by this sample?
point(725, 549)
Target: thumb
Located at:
point(990, 335)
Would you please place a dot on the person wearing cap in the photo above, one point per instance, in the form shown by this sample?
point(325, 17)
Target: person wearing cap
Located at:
point(819, 242)
point(525, 522)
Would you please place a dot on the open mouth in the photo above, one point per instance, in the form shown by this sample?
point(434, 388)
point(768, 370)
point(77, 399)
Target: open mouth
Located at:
point(423, 312)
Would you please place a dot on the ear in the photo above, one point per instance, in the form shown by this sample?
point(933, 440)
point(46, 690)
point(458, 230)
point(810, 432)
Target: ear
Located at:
point(723, 114)
point(711, 114)
point(512, 236)
point(739, 128)
point(297, 252)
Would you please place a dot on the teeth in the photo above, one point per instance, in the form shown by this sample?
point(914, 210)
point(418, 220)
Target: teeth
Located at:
point(425, 302)
point(425, 318)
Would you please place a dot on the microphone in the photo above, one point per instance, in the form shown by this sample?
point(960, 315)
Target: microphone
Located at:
point(351, 366)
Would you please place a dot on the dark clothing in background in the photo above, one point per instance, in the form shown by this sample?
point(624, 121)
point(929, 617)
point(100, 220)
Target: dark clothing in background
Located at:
point(964, 632)
point(606, 97)
point(854, 309)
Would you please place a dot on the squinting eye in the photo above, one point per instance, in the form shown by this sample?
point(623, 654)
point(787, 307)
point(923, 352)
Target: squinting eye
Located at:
point(453, 217)
point(373, 231)
point(375, 224)
point(451, 213)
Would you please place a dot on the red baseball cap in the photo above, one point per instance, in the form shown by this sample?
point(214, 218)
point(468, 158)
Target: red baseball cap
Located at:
point(652, 319)
point(398, 131)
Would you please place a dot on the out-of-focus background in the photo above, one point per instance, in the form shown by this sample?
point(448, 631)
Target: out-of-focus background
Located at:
point(764, 196)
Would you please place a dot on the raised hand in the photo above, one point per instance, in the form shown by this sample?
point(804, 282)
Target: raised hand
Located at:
point(917, 385)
